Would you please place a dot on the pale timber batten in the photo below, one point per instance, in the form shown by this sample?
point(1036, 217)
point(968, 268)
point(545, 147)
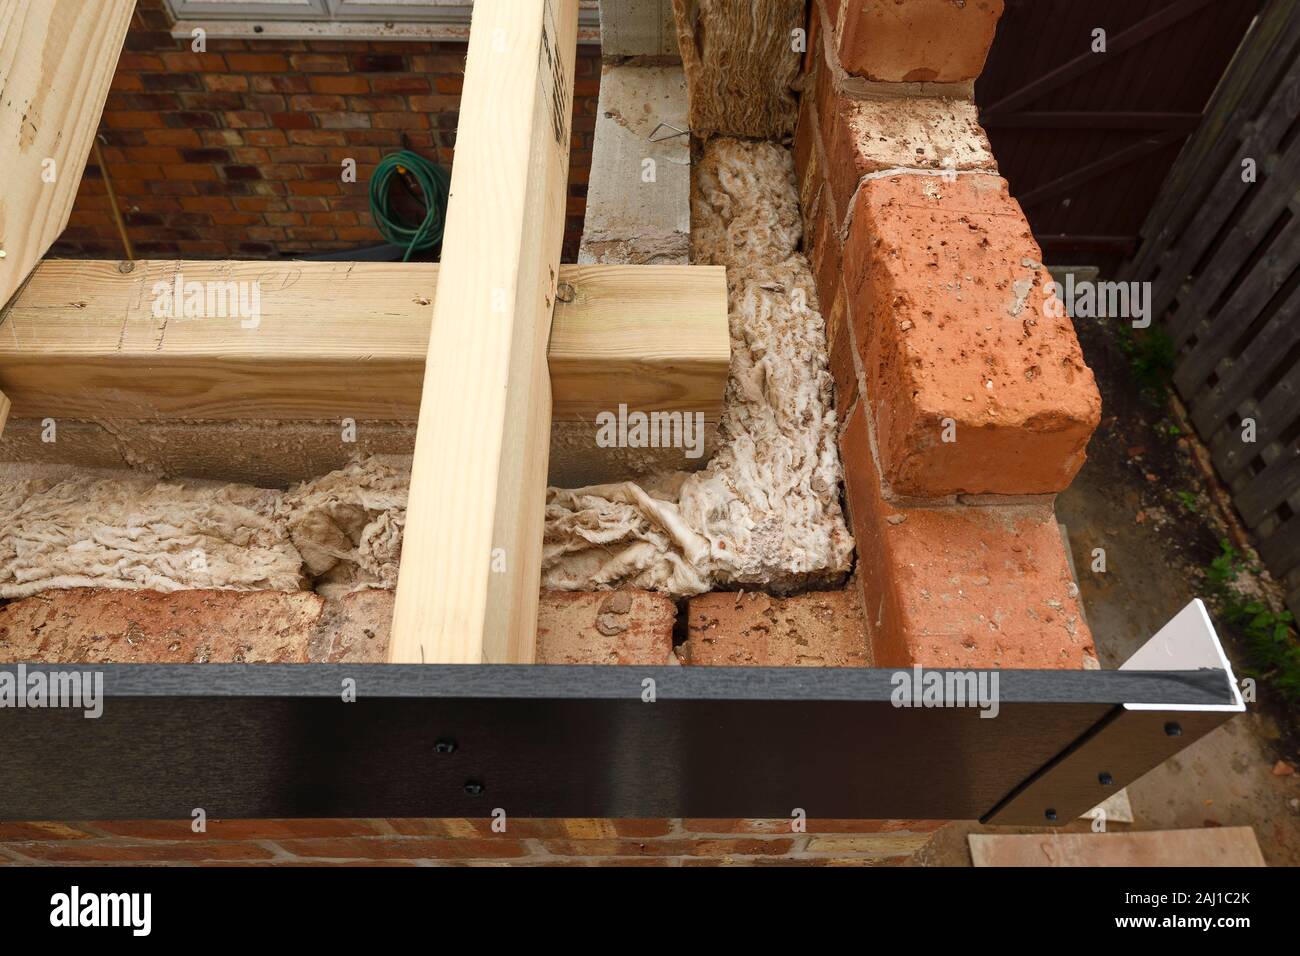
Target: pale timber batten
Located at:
point(333, 340)
point(471, 558)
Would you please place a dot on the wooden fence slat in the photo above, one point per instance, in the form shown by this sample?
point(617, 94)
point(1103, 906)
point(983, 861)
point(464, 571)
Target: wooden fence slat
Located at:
point(1264, 492)
point(1242, 362)
point(1178, 259)
point(1247, 85)
point(1273, 417)
point(1273, 197)
point(1282, 548)
point(1239, 378)
point(1216, 335)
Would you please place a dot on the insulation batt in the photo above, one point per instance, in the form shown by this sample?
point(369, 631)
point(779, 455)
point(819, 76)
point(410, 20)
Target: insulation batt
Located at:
point(765, 511)
point(87, 530)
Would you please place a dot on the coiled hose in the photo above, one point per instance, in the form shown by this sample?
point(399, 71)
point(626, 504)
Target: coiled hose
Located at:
point(433, 183)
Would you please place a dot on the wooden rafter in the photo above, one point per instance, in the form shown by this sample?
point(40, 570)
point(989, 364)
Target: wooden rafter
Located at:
point(56, 62)
point(1140, 32)
point(334, 340)
point(471, 559)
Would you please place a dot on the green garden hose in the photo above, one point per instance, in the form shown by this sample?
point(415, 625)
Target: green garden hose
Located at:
point(432, 181)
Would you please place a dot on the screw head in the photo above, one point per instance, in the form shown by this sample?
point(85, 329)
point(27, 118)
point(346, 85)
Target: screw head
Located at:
point(445, 746)
point(1050, 814)
point(473, 788)
point(564, 292)
point(1105, 779)
point(125, 266)
point(1173, 729)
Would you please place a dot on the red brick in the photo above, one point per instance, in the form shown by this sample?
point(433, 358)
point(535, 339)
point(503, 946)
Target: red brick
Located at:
point(133, 119)
point(317, 101)
point(90, 625)
point(225, 82)
point(964, 585)
point(818, 629)
point(205, 204)
point(265, 137)
point(246, 119)
point(338, 84)
point(189, 172)
point(811, 825)
point(826, 256)
point(604, 627)
point(294, 83)
point(319, 62)
point(678, 847)
point(317, 137)
point(843, 352)
point(192, 62)
point(291, 121)
point(113, 851)
point(407, 848)
point(257, 63)
point(871, 135)
point(375, 103)
point(179, 831)
point(172, 137)
point(808, 157)
point(951, 315)
point(399, 121)
point(940, 41)
point(399, 83)
point(343, 120)
point(37, 831)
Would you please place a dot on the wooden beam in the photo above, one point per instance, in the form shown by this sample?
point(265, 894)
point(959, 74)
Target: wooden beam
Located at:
point(471, 555)
point(1089, 120)
point(335, 340)
point(1086, 174)
point(4, 412)
point(56, 62)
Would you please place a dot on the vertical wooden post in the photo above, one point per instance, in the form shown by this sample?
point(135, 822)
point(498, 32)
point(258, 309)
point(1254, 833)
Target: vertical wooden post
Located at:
point(471, 562)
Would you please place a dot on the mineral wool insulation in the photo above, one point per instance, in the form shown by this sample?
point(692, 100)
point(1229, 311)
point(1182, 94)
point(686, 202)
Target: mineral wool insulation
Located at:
point(765, 511)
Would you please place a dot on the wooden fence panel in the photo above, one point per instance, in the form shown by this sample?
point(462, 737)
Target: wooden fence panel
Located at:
point(1222, 252)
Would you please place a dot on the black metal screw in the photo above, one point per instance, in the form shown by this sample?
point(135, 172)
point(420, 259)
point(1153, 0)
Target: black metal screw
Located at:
point(473, 788)
point(1105, 779)
point(1051, 815)
point(445, 746)
point(1173, 729)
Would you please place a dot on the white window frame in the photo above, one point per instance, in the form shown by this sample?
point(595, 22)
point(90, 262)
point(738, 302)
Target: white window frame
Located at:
point(385, 17)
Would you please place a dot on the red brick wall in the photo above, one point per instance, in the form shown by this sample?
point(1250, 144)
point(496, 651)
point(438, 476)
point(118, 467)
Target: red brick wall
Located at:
point(236, 153)
point(468, 842)
point(963, 403)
